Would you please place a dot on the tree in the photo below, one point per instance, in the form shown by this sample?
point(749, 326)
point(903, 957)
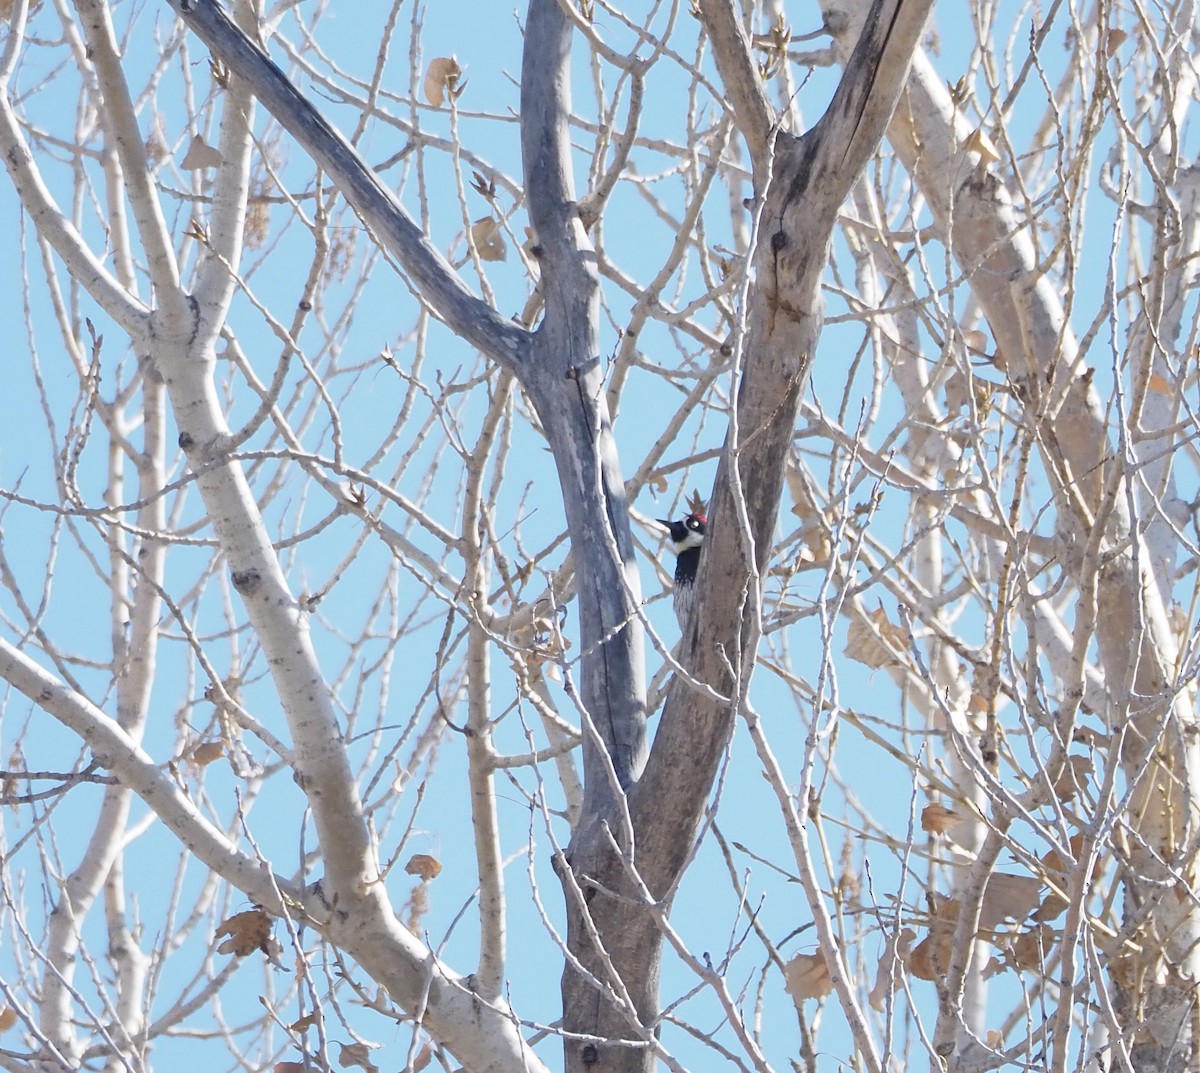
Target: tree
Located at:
point(348, 580)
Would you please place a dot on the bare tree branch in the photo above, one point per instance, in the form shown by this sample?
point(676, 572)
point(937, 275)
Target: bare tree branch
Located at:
point(466, 314)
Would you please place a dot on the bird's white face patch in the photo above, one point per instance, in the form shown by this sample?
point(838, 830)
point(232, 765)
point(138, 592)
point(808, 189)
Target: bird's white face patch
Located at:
point(694, 536)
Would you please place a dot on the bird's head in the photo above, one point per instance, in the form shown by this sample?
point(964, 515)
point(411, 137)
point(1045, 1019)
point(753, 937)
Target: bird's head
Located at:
point(687, 532)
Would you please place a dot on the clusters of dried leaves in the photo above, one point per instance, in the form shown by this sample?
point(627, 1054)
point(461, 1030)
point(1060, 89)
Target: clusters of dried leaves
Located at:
point(1014, 914)
point(253, 930)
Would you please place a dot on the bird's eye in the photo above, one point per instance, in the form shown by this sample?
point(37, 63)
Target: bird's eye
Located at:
point(693, 523)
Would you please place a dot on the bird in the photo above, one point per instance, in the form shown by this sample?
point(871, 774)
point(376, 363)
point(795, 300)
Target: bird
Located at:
point(687, 537)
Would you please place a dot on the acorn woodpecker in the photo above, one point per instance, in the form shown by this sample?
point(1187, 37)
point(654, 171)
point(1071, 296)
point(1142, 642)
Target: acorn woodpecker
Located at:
point(686, 537)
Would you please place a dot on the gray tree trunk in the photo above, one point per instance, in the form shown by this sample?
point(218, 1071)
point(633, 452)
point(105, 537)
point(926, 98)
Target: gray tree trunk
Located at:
point(641, 811)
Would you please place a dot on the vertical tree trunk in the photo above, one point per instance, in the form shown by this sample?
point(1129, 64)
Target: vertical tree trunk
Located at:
point(610, 993)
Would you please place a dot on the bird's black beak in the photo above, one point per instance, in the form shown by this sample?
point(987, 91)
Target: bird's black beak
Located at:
point(664, 523)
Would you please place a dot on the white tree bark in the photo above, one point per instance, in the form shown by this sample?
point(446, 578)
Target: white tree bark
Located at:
point(315, 618)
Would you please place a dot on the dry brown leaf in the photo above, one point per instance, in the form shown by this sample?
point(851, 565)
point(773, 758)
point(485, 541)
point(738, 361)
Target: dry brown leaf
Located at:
point(356, 1054)
point(1030, 949)
point(483, 185)
point(1053, 861)
point(975, 339)
point(994, 967)
point(442, 73)
point(290, 1067)
point(868, 642)
point(8, 1018)
point(896, 950)
point(530, 243)
point(1115, 38)
point(807, 977)
point(423, 865)
point(1051, 908)
point(1026, 952)
point(957, 395)
point(200, 155)
point(977, 703)
point(1073, 777)
point(488, 241)
point(424, 1057)
point(1008, 897)
point(307, 1021)
point(208, 751)
point(929, 959)
point(1178, 619)
point(816, 545)
point(1127, 967)
point(937, 819)
point(978, 142)
point(248, 931)
point(379, 1002)
point(945, 910)
point(1057, 865)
